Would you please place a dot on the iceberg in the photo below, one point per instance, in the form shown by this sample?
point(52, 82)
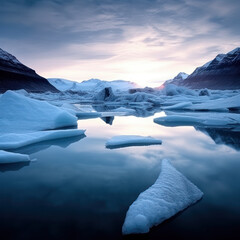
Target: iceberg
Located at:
point(20, 114)
point(8, 157)
point(131, 140)
point(171, 193)
point(18, 140)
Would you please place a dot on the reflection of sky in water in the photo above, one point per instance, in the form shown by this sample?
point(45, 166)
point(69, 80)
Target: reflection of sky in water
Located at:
point(83, 191)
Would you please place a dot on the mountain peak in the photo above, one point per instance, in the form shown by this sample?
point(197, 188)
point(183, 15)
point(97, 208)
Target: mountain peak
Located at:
point(8, 57)
point(181, 75)
point(235, 51)
point(14, 75)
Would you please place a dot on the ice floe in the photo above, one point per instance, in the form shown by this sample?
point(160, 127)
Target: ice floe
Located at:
point(14, 140)
point(171, 193)
point(21, 114)
point(8, 157)
point(214, 119)
point(230, 103)
point(131, 140)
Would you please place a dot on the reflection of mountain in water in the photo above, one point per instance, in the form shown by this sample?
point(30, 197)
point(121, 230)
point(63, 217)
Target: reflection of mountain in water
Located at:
point(223, 136)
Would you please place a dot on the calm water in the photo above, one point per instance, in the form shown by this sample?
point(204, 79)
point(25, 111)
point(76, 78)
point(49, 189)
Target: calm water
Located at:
point(78, 189)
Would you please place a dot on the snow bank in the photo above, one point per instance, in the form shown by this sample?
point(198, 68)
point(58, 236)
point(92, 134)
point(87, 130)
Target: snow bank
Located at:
point(8, 157)
point(20, 113)
point(171, 193)
point(13, 140)
point(130, 140)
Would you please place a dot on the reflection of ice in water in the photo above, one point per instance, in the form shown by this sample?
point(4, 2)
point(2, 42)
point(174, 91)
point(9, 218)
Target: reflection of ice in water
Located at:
point(229, 137)
point(86, 182)
point(13, 166)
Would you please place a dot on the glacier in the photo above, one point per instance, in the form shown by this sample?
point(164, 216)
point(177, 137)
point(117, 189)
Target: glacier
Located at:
point(171, 193)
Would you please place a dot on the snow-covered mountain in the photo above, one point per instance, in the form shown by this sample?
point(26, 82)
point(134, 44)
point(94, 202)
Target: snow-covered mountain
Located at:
point(179, 78)
point(223, 72)
point(14, 75)
point(92, 85)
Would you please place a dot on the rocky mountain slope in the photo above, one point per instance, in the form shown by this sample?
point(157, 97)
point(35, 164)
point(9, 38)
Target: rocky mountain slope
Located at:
point(14, 75)
point(223, 72)
point(178, 79)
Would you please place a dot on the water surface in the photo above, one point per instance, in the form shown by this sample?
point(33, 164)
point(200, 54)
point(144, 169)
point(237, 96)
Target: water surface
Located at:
point(78, 189)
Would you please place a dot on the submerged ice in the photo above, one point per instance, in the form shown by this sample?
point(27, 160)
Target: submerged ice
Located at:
point(172, 192)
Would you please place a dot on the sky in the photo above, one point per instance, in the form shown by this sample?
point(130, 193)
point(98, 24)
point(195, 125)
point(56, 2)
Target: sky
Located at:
point(144, 41)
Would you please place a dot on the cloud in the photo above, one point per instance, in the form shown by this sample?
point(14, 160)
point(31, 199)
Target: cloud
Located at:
point(144, 39)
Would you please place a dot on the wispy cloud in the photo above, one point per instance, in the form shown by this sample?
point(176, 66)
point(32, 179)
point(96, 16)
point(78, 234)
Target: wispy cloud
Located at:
point(134, 40)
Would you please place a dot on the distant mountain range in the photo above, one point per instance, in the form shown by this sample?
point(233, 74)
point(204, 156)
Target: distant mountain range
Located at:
point(14, 75)
point(94, 85)
point(223, 72)
point(178, 79)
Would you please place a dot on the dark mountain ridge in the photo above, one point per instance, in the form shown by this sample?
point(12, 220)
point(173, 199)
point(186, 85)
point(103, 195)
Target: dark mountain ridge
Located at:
point(222, 73)
point(14, 75)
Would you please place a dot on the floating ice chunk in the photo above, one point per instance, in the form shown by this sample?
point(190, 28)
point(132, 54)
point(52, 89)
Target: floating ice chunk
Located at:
point(200, 119)
point(8, 157)
point(179, 106)
point(69, 108)
point(105, 94)
point(21, 114)
point(171, 193)
point(87, 115)
point(219, 104)
point(80, 113)
point(172, 90)
point(131, 140)
point(13, 140)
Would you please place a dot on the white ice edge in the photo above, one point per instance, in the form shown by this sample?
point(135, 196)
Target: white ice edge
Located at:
point(13, 141)
point(131, 140)
point(9, 157)
point(171, 193)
